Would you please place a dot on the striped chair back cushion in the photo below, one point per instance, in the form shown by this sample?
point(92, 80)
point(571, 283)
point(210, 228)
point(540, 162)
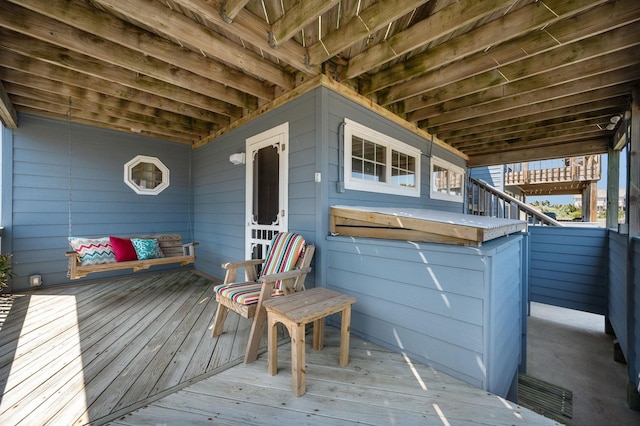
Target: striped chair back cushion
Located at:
point(285, 249)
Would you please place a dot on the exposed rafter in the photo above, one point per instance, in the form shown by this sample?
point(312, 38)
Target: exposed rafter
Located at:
point(494, 81)
point(8, 113)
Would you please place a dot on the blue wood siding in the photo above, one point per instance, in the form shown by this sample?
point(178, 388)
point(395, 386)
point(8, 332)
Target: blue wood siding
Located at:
point(633, 357)
point(568, 267)
point(340, 108)
point(315, 121)
point(455, 308)
point(219, 186)
point(493, 175)
point(504, 315)
point(617, 305)
point(101, 203)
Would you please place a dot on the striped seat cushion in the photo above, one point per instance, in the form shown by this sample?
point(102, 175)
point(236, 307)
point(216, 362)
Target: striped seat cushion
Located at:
point(282, 256)
point(285, 249)
point(243, 293)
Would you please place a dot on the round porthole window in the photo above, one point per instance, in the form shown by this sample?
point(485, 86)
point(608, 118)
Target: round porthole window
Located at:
point(146, 175)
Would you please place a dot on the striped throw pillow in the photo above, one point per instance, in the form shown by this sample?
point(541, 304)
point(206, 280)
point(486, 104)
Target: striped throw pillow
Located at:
point(93, 251)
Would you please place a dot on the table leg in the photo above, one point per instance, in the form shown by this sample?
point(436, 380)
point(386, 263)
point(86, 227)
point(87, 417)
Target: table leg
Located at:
point(318, 334)
point(344, 336)
point(298, 373)
point(272, 346)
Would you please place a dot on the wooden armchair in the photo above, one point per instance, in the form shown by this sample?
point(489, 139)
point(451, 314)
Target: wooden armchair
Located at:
point(284, 270)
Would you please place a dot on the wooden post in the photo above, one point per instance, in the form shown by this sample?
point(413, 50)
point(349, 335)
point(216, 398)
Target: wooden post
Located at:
point(590, 202)
point(633, 220)
point(613, 183)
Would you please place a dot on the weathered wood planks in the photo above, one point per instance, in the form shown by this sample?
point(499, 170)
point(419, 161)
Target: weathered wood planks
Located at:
point(77, 354)
point(420, 225)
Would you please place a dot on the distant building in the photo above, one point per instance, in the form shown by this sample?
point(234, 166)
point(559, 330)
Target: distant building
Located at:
point(602, 200)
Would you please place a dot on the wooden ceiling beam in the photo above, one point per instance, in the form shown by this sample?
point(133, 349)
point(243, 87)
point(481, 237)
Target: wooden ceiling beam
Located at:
point(82, 108)
point(534, 112)
point(63, 76)
point(177, 26)
point(24, 85)
point(294, 19)
point(506, 97)
point(91, 122)
point(8, 114)
point(40, 27)
point(586, 147)
point(79, 115)
point(493, 57)
point(494, 36)
point(229, 9)
point(65, 58)
point(599, 118)
point(547, 139)
point(598, 65)
point(587, 63)
point(252, 30)
point(445, 21)
point(81, 16)
point(358, 28)
point(551, 142)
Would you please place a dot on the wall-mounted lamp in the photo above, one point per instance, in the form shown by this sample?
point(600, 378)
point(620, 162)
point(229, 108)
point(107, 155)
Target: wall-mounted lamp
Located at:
point(237, 158)
point(35, 280)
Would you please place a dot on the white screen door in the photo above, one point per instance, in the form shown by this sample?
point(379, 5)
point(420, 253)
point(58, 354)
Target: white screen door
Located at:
point(267, 189)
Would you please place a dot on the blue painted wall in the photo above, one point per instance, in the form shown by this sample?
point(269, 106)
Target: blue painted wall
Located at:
point(633, 357)
point(493, 175)
point(568, 267)
point(315, 122)
point(205, 201)
point(219, 186)
point(456, 308)
point(617, 293)
point(36, 175)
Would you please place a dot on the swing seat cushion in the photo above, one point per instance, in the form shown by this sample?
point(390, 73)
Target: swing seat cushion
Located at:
point(123, 249)
point(93, 251)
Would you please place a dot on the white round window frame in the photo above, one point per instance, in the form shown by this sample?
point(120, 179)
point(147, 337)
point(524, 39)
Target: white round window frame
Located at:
point(128, 168)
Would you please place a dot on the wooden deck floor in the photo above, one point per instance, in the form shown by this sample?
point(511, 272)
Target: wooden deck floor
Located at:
point(138, 351)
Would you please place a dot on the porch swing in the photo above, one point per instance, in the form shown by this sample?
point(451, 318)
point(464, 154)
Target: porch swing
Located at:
point(110, 253)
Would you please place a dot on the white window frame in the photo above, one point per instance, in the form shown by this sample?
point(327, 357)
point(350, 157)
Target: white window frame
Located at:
point(352, 128)
point(128, 179)
point(447, 196)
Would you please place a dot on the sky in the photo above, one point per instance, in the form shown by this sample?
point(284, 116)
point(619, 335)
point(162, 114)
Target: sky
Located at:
point(602, 183)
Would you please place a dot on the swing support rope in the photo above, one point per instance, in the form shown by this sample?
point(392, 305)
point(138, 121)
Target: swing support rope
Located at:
point(70, 164)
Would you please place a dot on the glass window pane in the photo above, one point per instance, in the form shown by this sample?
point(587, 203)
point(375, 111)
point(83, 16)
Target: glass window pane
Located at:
point(455, 183)
point(439, 179)
point(266, 191)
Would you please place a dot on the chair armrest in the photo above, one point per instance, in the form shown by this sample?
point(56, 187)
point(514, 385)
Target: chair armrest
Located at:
point(242, 264)
point(187, 249)
point(249, 268)
point(284, 275)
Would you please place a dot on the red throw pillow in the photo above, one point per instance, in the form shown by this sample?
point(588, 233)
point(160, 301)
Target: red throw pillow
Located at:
point(123, 249)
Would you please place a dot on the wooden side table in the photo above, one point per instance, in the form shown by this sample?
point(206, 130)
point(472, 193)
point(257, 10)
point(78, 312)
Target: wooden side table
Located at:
point(296, 310)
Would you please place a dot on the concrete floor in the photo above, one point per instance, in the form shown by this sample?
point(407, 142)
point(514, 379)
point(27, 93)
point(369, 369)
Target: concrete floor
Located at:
point(570, 349)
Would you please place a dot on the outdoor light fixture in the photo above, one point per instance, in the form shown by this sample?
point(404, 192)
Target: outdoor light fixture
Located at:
point(35, 280)
point(237, 158)
point(613, 121)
